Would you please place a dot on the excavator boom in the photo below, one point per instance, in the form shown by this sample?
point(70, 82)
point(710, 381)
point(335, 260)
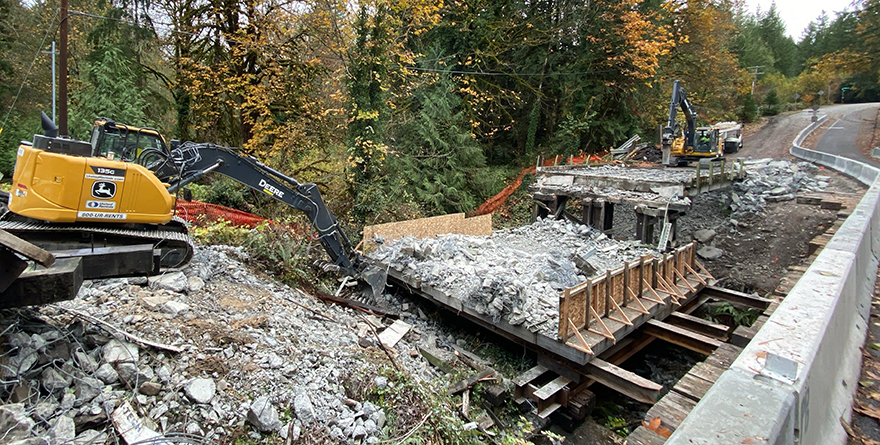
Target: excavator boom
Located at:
point(194, 160)
point(118, 191)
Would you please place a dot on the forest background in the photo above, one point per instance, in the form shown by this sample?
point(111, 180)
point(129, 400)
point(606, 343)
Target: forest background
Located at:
point(406, 108)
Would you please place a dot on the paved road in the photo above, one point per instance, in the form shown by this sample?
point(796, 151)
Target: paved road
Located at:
point(847, 122)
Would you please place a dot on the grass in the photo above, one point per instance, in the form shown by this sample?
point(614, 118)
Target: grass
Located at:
point(274, 247)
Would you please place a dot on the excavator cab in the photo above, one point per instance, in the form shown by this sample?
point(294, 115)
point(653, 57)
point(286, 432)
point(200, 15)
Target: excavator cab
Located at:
point(705, 140)
point(124, 142)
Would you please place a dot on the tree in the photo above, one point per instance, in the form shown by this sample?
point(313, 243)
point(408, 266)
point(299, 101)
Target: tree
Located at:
point(434, 152)
point(368, 111)
point(771, 29)
point(703, 58)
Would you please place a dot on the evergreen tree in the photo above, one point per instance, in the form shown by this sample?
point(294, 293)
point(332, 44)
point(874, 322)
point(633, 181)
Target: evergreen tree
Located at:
point(435, 150)
point(771, 29)
point(368, 112)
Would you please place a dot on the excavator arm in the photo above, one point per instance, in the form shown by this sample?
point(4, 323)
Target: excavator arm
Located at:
point(679, 100)
point(191, 161)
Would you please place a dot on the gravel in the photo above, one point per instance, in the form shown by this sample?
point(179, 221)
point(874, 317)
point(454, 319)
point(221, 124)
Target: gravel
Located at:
point(244, 339)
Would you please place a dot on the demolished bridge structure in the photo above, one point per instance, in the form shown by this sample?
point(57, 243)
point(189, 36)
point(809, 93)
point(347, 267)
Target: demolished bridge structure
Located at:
point(658, 195)
point(565, 290)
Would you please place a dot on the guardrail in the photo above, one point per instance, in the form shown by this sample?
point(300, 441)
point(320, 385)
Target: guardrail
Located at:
point(795, 380)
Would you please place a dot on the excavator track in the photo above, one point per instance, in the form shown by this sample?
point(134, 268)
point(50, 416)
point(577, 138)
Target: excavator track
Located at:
point(176, 247)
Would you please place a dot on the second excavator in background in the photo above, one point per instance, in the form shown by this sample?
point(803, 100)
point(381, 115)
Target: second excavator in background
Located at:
point(691, 143)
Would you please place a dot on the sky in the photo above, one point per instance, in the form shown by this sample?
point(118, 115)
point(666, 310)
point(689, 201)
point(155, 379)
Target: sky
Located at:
point(797, 14)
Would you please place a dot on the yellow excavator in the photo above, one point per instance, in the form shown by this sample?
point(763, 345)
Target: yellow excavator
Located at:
point(118, 190)
point(680, 146)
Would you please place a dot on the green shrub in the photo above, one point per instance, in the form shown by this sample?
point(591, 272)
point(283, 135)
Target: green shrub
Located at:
point(741, 317)
point(748, 109)
point(274, 247)
point(223, 191)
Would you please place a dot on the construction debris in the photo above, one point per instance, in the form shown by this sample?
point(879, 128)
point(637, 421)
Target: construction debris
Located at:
point(516, 275)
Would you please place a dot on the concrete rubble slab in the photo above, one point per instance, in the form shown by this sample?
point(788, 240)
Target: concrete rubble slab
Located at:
point(516, 275)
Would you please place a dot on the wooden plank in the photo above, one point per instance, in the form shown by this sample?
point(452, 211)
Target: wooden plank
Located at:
point(11, 266)
point(563, 315)
point(696, 324)
point(529, 375)
point(736, 297)
point(116, 261)
point(644, 436)
point(59, 282)
point(706, 371)
point(429, 227)
point(547, 391)
point(26, 249)
point(692, 387)
point(724, 356)
point(623, 381)
point(464, 385)
point(549, 410)
point(392, 334)
point(682, 337)
point(672, 410)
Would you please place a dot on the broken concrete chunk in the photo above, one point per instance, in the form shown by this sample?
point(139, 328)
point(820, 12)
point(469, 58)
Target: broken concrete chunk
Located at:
point(14, 422)
point(263, 415)
point(117, 351)
point(710, 253)
point(174, 281)
point(704, 236)
point(63, 430)
point(201, 390)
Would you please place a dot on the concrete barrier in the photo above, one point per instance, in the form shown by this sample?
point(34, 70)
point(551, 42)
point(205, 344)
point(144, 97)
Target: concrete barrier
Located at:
point(795, 380)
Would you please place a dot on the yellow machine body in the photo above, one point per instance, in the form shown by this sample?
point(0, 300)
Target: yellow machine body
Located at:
point(65, 188)
point(708, 145)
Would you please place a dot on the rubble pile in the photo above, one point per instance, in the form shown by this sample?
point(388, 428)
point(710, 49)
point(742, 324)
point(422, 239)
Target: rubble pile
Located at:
point(514, 275)
point(770, 180)
point(210, 351)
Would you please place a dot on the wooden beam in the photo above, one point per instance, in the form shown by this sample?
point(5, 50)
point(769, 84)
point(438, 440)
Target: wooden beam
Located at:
point(605, 331)
point(116, 261)
point(41, 286)
point(549, 390)
point(623, 381)
point(11, 266)
point(736, 297)
point(696, 324)
point(586, 346)
point(682, 337)
point(463, 385)
point(26, 249)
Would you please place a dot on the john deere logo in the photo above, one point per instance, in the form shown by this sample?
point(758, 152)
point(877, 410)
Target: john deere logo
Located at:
point(104, 190)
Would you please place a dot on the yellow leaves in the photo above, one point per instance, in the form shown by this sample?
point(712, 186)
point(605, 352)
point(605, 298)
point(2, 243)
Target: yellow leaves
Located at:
point(366, 115)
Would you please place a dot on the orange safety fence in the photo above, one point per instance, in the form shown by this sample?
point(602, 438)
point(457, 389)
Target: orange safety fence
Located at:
point(197, 211)
point(492, 204)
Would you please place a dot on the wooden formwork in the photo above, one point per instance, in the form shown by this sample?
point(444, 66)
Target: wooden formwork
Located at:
point(595, 310)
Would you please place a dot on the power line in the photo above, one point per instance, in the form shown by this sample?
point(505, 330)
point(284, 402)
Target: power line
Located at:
point(483, 73)
point(413, 68)
point(51, 27)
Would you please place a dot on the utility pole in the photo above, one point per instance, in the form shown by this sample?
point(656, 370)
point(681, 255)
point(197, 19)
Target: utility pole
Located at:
point(53, 53)
point(62, 88)
point(755, 76)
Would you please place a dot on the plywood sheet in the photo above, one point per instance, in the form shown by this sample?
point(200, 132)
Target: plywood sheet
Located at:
point(428, 227)
point(391, 335)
